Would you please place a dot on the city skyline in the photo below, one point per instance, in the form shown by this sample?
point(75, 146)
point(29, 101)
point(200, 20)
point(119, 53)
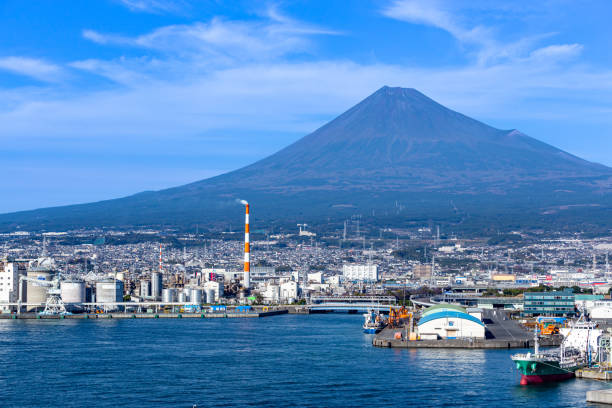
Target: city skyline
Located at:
point(126, 96)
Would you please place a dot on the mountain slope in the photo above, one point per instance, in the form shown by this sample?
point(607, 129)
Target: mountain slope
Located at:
point(395, 145)
point(398, 136)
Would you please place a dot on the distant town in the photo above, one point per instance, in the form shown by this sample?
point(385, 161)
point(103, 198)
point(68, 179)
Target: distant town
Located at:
point(105, 270)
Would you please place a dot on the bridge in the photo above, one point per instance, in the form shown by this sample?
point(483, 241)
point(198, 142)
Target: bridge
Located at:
point(350, 303)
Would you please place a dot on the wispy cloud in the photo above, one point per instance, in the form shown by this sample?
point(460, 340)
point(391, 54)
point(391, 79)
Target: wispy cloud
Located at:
point(559, 51)
point(154, 6)
point(432, 13)
point(31, 67)
point(487, 48)
point(223, 39)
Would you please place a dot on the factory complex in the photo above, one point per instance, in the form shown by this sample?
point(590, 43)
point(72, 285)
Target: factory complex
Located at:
point(169, 271)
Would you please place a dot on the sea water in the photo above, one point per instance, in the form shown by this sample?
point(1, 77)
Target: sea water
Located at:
point(319, 360)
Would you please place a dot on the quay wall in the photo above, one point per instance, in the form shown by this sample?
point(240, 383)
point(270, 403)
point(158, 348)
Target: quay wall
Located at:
point(34, 316)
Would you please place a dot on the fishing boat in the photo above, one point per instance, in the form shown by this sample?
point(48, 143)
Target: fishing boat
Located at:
point(374, 322)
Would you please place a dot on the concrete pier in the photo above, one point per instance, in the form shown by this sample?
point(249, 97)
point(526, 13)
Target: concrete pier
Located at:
point(460, 343)
point(594, 374)
point(600, 396)
point(121, 315)
point(500, 333)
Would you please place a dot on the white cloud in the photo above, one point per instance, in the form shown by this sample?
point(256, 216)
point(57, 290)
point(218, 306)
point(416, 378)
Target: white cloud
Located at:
point(235, 75)
point(223, 40)
point(99, 38)
point(292, 97)
point(31, 67)
point(436, 14)
point(123, 70)
point(154, 6)
point(487, 49)
point(428, 13)
point(559, 51)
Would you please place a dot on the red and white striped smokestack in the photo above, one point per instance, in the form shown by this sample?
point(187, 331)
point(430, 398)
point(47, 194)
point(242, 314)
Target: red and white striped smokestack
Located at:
point(247, 246)
point(247, 241)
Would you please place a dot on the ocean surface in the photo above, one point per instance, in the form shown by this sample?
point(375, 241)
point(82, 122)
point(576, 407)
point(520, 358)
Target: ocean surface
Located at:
point(290, 360)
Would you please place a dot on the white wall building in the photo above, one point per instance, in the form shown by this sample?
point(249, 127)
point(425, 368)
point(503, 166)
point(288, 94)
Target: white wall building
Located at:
point(216, 287)
point(333, 280)
point(288, 291)
point(9, 284)
point(360, 272)
point(316, 277)
point(271, 294)
point(450, 322)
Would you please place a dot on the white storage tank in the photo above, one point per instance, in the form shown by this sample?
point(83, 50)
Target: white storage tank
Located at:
point(72, 291)
point(182, 298)
point(109, 291)
point(145, 288)
point(169, 295)
point(35, 293)
point(156, 285)
point(196, 296)
point(210, 295)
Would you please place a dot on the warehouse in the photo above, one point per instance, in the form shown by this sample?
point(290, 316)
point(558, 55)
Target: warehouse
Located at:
point(449, 322)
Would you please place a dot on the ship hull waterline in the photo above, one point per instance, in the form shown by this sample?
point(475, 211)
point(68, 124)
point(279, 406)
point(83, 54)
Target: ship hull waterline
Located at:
point(541, 379)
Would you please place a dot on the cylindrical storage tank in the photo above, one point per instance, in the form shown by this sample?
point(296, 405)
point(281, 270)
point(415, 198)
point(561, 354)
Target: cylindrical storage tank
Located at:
point(196, 296)
point(182, 298)
point(210, 295)
point(72, 291)
point(156, 285)
point(35, 293)
point(145, 288)
point(109, 291)
point(168, 295)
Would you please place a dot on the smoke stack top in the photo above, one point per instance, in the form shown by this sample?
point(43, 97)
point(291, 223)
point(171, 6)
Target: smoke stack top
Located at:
point(244, 202)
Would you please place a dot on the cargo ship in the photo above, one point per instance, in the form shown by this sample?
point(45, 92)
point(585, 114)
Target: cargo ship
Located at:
point(374, 322)
point(552, 365)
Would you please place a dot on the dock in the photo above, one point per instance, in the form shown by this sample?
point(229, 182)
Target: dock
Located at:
point(600, 396)
point(594, 373)
point(463, 343)
point(121, 315)
point(500, 333)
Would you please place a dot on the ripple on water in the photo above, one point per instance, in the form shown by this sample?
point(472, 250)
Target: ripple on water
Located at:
point(309, 361)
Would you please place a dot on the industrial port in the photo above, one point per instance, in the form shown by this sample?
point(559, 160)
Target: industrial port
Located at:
point(427, 290)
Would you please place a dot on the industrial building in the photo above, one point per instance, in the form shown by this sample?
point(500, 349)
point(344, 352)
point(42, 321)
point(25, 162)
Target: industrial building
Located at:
point(360, 272)
point(421, 271)
point(554, 303)
point(289, 291)
point(450, 322)
point(9, 283)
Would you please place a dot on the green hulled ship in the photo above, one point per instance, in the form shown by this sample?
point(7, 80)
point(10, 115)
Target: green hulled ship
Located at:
point(550, 365)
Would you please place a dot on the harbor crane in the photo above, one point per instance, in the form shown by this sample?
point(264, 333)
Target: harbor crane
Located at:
point(54, 304)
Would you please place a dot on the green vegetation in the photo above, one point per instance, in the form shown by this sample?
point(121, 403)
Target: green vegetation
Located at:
point(412, 253)
point(505, 239)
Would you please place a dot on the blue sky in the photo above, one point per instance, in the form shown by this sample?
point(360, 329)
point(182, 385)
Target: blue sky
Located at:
point(101, 99)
